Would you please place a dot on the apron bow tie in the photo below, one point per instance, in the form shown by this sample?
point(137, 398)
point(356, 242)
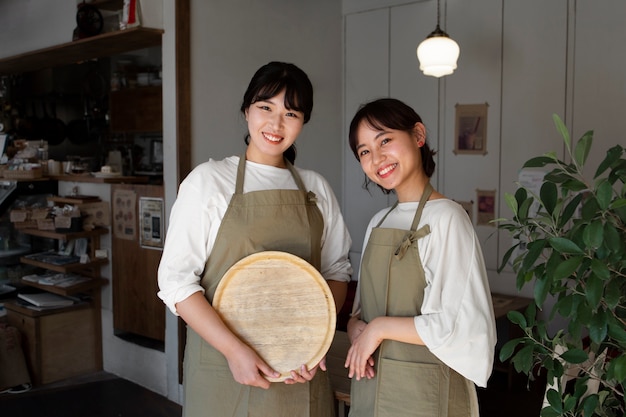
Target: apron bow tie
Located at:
point(409, 239)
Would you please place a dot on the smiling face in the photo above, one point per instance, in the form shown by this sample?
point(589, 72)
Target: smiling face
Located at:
point(273, 129)
point(391, 158)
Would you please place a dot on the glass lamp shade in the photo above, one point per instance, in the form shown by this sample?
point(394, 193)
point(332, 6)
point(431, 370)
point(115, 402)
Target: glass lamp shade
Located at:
point(438, 55)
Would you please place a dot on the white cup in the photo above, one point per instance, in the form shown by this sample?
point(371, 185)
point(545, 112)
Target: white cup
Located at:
point(54, 167)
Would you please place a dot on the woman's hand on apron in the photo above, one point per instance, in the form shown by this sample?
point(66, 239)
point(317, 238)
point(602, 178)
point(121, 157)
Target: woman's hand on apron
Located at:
point(364, 343)
point(249, 369)
point(305, 375)
point(355, 327)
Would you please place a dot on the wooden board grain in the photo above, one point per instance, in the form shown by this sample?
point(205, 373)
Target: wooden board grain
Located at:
point(281, 306)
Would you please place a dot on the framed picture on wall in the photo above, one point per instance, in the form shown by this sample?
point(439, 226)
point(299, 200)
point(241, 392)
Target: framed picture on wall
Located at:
point(151, 217)
point(486, 207)
point(470, 129)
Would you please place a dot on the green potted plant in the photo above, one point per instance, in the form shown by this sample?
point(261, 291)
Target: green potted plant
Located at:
point(571, 246)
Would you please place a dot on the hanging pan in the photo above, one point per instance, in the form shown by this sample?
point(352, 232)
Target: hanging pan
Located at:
point(53, 127)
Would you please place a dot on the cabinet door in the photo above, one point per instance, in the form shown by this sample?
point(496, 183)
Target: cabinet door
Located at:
point(137, 110)
point(136, 307)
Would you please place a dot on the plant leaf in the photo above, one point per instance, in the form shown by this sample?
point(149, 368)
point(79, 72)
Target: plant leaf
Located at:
point(567, 268)
point(548, 194)
point(590, 208)
point(523, 359)
point(575, 356)
point(589, 404)
point(506, 257)
point(570, 209)
point(581, 151)
point(539, 161)
point(595, 287)
point(541, 289)
point(598, 327)
point(508, 348)
point(600, 270)
point(518, 318)
point(549, 412)
point(604, 192)
point(565, 246)
point(522, 214)
point(569, 403)
point(574, 185)
point(617, 368)
point(511, 202)
point(534, 250)
point(554, 398)
point(613, 292)
point(617, 203)
point(612, 155)
point(593, 235)
point(560, 126)
point(617, 331)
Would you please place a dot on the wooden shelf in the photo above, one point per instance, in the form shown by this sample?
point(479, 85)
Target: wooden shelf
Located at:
point(15, 305)
point(74, 267)
point(104, 45)
point(86, 286)
point(65, 236)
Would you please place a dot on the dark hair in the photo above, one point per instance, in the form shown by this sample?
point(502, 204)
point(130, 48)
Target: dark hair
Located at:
point(390, 113)
point(270, 80)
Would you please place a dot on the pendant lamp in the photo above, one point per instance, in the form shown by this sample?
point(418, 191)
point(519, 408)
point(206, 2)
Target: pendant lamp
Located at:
point(438, 53)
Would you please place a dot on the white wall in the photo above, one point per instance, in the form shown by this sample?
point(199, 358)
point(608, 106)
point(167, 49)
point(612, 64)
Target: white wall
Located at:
point(232, 39)
point(27, 25)
point(526, 60)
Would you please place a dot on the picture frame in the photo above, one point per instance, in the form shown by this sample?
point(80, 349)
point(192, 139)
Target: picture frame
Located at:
point(470, 129)
point(486, 207)
point(151, 222)
point(156, 151)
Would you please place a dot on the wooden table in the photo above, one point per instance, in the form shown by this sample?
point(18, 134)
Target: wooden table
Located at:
point(503, 303)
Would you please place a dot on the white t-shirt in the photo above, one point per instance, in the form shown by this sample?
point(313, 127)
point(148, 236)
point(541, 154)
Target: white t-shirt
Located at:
point(197, 213)
point(457, 322)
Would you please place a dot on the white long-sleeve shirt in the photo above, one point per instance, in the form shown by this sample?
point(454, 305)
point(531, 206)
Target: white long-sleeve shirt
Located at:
point(457, 322)
point(197, 213)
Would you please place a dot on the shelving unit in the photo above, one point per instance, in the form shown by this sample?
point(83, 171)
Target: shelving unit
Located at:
point(92, 268)
point(106, 44)
point(63, 342)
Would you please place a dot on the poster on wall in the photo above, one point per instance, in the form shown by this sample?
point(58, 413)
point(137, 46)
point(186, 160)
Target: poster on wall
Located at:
point(151, 217)
point(486, 207)
point(124, 219)
point(470, 129)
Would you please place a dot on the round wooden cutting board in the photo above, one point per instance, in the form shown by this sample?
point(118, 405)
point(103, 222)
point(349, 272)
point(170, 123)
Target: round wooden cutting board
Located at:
point(281, 306)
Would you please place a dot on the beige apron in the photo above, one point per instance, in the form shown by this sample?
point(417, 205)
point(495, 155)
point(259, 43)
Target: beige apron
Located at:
point(283, 220)
point(410, 380)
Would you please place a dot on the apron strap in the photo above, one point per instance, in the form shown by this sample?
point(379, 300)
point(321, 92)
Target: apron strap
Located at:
point(413, 235)
point(387, 214)
point(428, 190)
point(241, 170)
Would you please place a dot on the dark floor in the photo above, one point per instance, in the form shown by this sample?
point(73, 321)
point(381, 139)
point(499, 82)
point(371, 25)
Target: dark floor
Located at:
point(105, 395)
point(514, 398)
point(100, 395)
